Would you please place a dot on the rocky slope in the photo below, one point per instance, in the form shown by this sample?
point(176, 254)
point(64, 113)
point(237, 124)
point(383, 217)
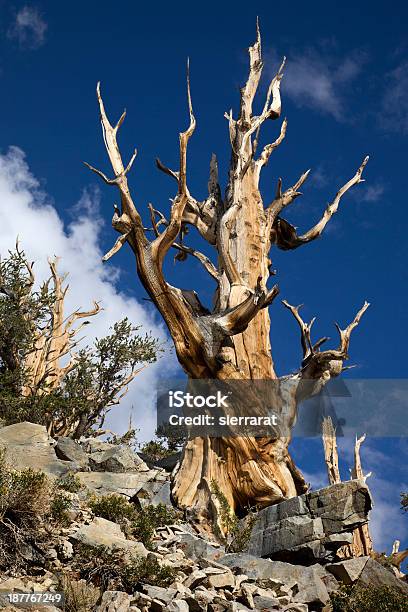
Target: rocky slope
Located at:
point(292, 560)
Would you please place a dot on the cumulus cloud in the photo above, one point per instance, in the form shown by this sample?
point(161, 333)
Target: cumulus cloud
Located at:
point(27, 212)
point(28, 28)
point(319, 81)
point(393, 116)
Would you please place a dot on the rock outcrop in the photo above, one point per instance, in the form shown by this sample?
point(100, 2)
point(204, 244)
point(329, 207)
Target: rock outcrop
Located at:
point(313, 526)
point(291, 563)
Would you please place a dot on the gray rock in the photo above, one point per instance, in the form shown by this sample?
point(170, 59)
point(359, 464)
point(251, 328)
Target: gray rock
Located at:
point(163, 495)
point(219, 579)
point(117, 459)
point(349, 570)
point(236, 606)
point(157, 605)
point(103, 483)
point(195, 604)
point(266, 603)
point(114, 601)
point(310, 580)
point(376, 574)
point(28, 445)
point(308, 528)
point(178, 605)
point(284, 535)
point(342, 507)
point(67, 449)
point(94, 445)
point(155, 592)
point(105, 533)
point(196, 548)
point(195, 578)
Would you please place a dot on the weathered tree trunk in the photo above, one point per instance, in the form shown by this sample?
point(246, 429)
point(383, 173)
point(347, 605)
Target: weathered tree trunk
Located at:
point(362, 544)
point(232, 341)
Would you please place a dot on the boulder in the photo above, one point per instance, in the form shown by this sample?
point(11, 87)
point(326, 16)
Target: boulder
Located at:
point(178, 605)
point(155, 592)
point(342, 507)
point(114, 601)
point(94, 445)
point(194, 579)
point(68, 449)
point(313, 582)
point(163, 495)
point(195, 547)
point(218, 578)
point(117, 459)
point(376, 574)
point(262, 602)
point(349, 570)
point(313, 526)
point(28, 445)
point(101, 532)
point(127, 484)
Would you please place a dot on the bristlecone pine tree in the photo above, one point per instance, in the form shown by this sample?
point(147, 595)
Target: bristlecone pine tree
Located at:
point(232, 341)
point(45, 376)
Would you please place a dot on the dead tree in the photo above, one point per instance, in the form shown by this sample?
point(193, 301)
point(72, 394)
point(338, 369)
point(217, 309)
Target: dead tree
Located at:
point(232, 341)
point(362, 544)
point(43, 364)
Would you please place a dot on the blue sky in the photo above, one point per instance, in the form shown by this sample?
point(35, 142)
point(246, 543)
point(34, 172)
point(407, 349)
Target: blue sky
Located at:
point(345, 94)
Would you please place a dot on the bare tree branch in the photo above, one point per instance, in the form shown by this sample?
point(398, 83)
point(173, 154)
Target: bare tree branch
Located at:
point(116, 247)
point(163, 242)
point(236, 320)
point(329, 363)
point(207, 263)
point(305, 329)
point(357, 471)
point(269, 148)
point(286, 236)
point(120, 172)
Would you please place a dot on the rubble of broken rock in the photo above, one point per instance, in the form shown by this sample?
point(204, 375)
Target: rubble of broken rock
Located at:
point(291, 562)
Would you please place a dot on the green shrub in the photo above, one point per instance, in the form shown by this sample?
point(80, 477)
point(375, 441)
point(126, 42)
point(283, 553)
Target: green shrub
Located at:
point(23, 493)
point(113, 508)
point(359, 598)
point(150, 518)
point(142, 523)
point(60, 504)
point(155, 450)
point(70, 483)
point(235, 536)
point(25, 500)
point(149, 571)
point(115, 571)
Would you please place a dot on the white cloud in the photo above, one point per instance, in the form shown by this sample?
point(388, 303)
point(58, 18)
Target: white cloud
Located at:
point(28, 28)
point(26, 212)
point(371, 193)
point(316, 80)
point(393, 115)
